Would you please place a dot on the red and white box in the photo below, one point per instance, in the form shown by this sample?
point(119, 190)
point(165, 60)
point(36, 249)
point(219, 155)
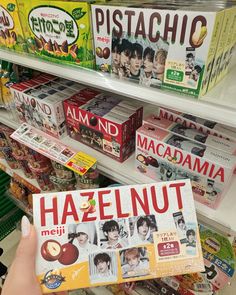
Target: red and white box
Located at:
point(207, 139)
point(101, 123)
point(205, 126)
point(163, 155)
point(40, 105)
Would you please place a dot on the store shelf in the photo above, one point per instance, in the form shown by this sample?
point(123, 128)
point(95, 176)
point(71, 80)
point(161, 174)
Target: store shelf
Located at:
point(218, 105)
point(30, 183)
point(222, 219)
point(20, 204)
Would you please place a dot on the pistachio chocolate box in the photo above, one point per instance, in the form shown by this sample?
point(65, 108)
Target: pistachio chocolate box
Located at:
point(59, 30)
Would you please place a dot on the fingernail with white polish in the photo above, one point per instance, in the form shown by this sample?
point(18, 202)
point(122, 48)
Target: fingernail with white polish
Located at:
point(25, 227)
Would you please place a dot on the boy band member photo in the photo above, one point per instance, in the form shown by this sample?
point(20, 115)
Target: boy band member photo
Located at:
point(134, 266)
point(142, 231)
point(101, 268)
point(111, 230)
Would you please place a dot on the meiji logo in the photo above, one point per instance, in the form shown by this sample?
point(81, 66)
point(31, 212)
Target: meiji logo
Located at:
point(99, 124)
point(53, 24)
point(6, 21)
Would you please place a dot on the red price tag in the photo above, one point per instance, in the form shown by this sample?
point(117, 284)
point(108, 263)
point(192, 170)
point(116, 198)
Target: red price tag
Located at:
point(168, 248)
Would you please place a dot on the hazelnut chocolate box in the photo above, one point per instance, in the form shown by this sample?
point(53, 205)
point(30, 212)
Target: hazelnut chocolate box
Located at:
point(104, 122)
point(11, 32)
point(203, 125)
point(76, 248)
point(156, 46)
point(163, 155)
point(58, 30)
point(206, 139)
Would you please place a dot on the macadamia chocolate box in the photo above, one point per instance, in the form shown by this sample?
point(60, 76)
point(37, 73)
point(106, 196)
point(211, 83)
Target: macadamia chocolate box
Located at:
point(75, 249)
point(59, 30)
point(203, 125)
point(163, 155)
point(11, 33)
point(158, 46)
point(206, 139)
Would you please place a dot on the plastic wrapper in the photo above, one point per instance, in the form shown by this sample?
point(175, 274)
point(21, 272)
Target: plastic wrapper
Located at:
point(62, 172)
point(42, 175)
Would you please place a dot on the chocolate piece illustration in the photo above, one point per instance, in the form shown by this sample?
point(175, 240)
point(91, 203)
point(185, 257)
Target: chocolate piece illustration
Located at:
point(13, 35)
point(7, 33)
point(106, 52)
point(64, 47)
point(74, 50)
point(99, 52)
point(93, 121)
point(69, 254)
point(42, 40)
point(38, 43)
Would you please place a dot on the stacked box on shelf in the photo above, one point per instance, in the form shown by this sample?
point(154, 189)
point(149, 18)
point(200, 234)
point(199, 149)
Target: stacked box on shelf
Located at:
point(173, 49)
point(163, 155)
point(210, 140)
point(227, 52)
point(103, 122)
point(11, 32)
point(216, 72)
point(39, 103)
point(202, 125)
point(58, 30)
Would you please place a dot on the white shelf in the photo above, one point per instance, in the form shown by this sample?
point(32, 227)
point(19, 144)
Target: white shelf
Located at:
point(32, 183)
point(218, 105)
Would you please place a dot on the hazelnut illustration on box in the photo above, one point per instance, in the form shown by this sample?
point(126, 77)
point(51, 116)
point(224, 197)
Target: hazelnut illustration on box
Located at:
point(171, 47)
point(116, 235)
point(59, 30)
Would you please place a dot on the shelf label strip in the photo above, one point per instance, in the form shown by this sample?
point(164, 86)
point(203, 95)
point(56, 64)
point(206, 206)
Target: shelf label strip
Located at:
point(52, 148)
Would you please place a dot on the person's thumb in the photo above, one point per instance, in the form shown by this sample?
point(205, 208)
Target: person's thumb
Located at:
point(22, 271)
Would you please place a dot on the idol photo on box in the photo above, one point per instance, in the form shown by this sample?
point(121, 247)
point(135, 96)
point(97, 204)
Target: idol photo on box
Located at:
point(139, 60)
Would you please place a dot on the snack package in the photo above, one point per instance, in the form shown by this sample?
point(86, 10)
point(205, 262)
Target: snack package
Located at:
point(207, 139)
point(58, 30)
point(41, 105)
point(77, 250)
point(228, 27)
point(163, 155)
point(11, 32)
point(103, 122)
point(203, 125)
point(219, 263)
point(150, 43)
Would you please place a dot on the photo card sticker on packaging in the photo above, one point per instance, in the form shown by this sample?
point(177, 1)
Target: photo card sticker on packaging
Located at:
point(94, 237)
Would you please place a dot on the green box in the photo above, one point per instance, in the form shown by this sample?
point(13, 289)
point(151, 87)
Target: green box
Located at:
point(58, 30)
point(11, 33)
